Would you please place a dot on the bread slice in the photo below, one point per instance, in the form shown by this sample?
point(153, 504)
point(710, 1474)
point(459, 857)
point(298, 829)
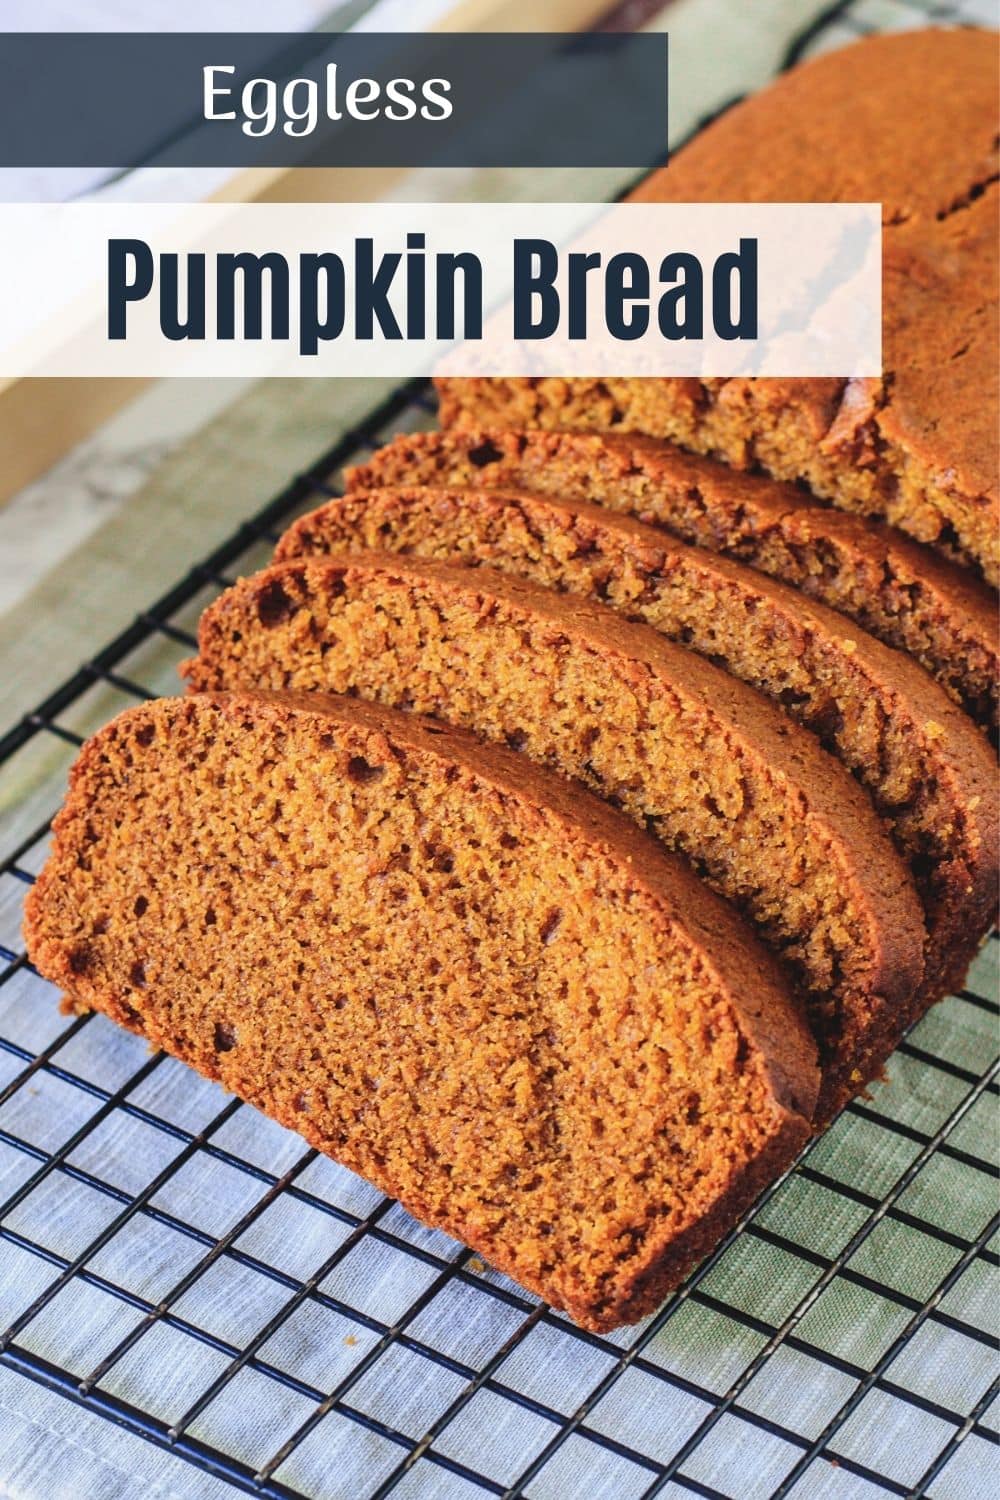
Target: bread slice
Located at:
point(902, 593)
point(483, 990)
point(931, 774)
point(716, 771)
point(918, 446)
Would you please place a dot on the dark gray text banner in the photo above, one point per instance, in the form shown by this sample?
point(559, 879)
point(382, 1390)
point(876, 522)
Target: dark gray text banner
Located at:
point(268, 99)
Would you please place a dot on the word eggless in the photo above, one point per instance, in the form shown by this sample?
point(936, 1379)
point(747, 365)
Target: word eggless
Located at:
point(299, 105)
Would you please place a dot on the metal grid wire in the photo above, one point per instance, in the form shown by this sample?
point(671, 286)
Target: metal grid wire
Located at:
point(173, 1262)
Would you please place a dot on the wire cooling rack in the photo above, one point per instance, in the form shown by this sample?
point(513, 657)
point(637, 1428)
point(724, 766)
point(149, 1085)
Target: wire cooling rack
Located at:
point(171, 1261)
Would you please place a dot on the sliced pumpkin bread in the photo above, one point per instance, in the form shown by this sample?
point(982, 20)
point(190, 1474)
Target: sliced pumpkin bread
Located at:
point(768, 817)
point(899, 591)
point(479, 987)
point(930, 772)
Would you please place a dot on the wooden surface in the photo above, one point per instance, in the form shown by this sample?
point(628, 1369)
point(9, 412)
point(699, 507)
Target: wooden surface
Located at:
point(41, 419)
point(231, 467)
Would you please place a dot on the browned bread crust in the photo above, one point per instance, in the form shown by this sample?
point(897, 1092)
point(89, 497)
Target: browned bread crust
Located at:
point(588, 1081)
point(900, 592)
point(766, 816)
point(906, 119)
point(931, 774)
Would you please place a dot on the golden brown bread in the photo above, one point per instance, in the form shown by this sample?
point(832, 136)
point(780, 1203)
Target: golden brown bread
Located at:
point(900, 592)
point(482, 989)
point(908, 119)
point(715, 770)
point(931, 774)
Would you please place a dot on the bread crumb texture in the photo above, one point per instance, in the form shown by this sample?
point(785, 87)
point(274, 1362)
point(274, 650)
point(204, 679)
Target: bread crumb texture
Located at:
point(770, 820)
point(697, 824)
point(477, 1001)
point(932, 779)
point(902, 593)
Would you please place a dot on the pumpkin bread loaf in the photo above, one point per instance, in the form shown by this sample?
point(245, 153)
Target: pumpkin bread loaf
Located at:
point(913, 116)
point(931, 774)
point(900, 592)
point(715, 770)
point(482, 989)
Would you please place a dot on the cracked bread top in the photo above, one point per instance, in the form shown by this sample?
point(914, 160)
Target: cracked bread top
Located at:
point(907, 119)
